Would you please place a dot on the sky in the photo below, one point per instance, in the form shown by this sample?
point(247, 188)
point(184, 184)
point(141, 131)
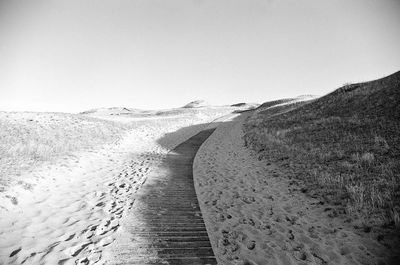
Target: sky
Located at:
point(74, 55)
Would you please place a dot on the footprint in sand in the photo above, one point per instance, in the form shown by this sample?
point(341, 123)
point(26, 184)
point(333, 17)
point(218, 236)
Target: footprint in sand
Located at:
point(69, 237)
point(15, 252)
point(75, 250)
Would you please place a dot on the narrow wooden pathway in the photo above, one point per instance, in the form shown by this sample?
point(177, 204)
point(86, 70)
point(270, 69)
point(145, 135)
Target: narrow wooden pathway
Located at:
point(168, 226)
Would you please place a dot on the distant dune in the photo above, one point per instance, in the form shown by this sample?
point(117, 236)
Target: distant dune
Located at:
point(197, 104)
point(246, 105)
point(285, 101)
point(110, 111)
point(132, 111)
point(126, 114)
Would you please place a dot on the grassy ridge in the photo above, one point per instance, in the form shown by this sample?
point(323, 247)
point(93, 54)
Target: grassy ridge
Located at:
point(28, 139)
point(345, 146)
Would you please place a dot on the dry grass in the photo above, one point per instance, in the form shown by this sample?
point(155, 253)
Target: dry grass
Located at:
point(29, 139)
point(345, 146)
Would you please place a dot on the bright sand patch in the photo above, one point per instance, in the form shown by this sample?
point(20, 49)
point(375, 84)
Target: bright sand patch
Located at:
point(255, 215)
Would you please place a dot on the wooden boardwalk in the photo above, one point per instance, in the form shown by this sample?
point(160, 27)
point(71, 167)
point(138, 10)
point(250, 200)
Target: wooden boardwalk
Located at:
point(168, 226)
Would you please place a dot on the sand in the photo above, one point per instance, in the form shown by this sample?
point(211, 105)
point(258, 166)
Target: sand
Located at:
point(73, 208)
point(76, 208)
point(255, 215)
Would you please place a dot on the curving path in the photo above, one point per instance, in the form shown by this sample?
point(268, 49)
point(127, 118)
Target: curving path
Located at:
point(165, 225)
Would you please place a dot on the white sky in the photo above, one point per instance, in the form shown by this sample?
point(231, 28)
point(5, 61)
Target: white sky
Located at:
point(75, 55)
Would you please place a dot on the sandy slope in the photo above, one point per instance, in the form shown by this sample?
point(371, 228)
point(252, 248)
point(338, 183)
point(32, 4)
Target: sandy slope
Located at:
point(32, 139)
point(75, 206)
point(257, 216)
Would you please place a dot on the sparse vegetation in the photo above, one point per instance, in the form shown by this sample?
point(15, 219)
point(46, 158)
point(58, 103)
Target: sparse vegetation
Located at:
point(28, 139)
point(345, 146)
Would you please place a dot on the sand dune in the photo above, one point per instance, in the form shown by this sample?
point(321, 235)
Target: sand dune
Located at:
point(75, 205)
point(32, 139)
point(197, 104)
point(256, 215)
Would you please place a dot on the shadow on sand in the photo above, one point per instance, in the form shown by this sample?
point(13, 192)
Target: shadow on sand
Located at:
point(168, 140)
point(169, 227)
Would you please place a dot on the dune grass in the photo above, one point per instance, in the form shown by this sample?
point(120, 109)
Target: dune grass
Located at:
point(345, 147)
point(29, 139)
